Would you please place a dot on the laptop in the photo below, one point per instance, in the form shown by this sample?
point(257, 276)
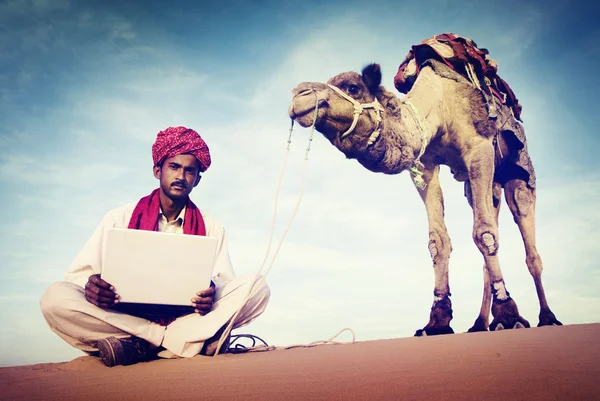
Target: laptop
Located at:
point(162, 269)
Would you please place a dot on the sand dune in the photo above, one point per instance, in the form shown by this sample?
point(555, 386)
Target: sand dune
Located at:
point(549, 363)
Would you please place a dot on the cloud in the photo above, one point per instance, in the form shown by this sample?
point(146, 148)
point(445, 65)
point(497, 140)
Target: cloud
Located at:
point(68, 174)
point(518, 37)
point(21, 8)
point(17, 298)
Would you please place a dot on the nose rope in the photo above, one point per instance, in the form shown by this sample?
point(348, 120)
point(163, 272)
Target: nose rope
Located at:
point(289, 141)
point(312, 128)
point(358, 109)
point(258, 280)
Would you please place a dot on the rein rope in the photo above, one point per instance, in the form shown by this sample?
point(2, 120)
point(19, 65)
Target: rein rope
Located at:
point(416, 171)
point(258, 280)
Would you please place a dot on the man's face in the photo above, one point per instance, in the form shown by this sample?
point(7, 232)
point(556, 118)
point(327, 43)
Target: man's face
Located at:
point(178, 175)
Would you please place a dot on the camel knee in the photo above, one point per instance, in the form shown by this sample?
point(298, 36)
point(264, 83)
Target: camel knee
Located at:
point(520, 198)
point(523, 201)
point(486, 240)
point(440, 246)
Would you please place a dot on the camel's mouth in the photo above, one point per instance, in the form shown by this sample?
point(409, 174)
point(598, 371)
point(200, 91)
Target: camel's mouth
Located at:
point(303, 103)
point(303, 107)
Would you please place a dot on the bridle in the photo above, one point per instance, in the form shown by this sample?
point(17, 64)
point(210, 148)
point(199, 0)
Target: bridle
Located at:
point(416, 169)
point(358, 109)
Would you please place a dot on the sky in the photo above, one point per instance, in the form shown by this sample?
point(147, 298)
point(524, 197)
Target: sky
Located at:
point(85, 86)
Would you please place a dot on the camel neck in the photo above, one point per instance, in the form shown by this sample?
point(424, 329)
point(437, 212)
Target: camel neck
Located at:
point(421, 106)
point(422, 139)
point(400, 143)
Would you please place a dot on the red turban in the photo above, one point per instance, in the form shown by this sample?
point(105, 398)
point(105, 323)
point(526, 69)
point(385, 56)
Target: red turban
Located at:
point(179, 140)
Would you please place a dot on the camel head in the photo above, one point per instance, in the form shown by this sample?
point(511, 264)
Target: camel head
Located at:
point(349, 113)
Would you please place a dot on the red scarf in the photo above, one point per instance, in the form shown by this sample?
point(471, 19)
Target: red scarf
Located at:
point(145, 216)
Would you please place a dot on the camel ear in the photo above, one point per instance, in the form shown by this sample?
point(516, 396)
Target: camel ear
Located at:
point(371, 75)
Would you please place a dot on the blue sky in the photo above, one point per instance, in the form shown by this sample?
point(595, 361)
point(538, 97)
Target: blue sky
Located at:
point(85, 86)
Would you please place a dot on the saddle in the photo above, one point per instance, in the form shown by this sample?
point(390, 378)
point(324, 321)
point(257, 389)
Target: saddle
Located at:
point(463, 56)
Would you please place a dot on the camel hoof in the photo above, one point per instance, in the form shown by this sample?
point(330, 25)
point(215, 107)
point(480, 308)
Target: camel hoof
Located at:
point(506, 316)
point(439, 319)
point(479, 325)
point(552, 323)
point(547, 318)
point(434, 331)
point(518, 324)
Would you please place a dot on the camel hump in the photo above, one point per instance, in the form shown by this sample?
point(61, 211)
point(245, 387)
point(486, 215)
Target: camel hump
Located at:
point(463, 56)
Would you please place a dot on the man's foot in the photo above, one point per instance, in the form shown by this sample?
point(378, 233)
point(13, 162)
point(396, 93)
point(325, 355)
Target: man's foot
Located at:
point(124, 351)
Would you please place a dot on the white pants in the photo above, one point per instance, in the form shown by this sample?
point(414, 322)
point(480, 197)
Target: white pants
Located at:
point(82, 324)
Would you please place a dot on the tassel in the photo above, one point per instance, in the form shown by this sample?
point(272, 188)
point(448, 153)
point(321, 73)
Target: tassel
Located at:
point(417, 174)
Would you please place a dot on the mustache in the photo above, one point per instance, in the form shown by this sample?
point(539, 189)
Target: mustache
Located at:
point(179, 184)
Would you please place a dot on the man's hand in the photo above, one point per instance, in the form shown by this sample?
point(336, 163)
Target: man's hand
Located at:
point(100, 293)
point(204, 301)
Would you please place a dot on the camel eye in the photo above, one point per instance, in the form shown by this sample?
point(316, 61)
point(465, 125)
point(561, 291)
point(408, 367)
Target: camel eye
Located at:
point(353, 89)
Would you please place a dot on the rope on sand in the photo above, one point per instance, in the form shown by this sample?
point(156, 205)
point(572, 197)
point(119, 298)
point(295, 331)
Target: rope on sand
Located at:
point(240, 348)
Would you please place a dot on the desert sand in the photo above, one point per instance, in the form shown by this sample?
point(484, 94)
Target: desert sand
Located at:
point(548, 363)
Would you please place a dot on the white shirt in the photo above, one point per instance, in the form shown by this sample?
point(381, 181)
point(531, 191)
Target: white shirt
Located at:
point(89, 259)
point(175, 226)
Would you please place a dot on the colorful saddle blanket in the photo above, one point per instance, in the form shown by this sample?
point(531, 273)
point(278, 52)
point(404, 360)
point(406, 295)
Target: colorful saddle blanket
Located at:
point(463, 56)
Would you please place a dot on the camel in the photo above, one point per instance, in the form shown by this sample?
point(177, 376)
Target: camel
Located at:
point(442, 120)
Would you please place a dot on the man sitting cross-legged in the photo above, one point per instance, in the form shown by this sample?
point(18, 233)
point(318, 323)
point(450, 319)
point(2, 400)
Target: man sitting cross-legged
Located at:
point(84, 310)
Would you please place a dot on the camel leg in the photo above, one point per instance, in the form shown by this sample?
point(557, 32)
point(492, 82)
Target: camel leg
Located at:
point(482, 321)
point(480, 164)
point(439, 248)
point(521, 202)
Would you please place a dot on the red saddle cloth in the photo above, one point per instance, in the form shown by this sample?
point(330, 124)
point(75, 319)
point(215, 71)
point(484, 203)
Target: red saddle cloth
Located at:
point(464, 52)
